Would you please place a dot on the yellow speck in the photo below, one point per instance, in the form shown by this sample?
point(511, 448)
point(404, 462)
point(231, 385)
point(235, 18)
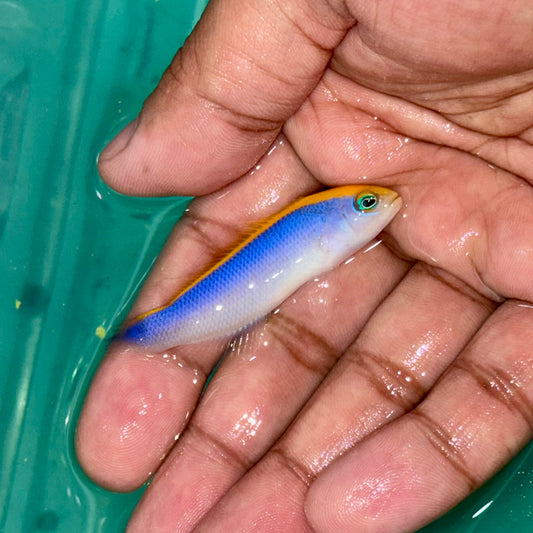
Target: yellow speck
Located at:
point(100, 332)
point(18, 303)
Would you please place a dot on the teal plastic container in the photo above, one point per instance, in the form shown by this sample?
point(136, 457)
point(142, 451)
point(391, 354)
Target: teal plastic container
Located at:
point(73, 253)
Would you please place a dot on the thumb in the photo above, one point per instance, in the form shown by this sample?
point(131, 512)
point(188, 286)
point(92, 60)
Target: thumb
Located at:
point(244, 70)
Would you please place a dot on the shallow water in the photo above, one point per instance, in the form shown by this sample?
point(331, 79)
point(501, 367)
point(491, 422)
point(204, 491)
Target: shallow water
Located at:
point(72, 253)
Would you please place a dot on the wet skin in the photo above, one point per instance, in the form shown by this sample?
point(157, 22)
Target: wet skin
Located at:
point(412, 361)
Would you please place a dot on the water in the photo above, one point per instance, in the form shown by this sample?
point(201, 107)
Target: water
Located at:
point(72, 253)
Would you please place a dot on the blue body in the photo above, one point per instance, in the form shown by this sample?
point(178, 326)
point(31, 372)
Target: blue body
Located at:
point(251, 281)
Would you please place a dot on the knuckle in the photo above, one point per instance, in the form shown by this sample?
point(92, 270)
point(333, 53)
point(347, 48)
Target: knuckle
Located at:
point(445, 445)
point(389, 379)
point(500, 386)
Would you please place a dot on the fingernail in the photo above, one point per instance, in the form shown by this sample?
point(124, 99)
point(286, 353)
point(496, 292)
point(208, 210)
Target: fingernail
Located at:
point(119, 143)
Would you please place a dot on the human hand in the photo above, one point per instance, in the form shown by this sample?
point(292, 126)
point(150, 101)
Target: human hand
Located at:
point(413, 361)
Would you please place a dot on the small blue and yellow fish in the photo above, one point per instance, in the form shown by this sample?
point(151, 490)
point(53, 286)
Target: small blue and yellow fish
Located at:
point(307, 238)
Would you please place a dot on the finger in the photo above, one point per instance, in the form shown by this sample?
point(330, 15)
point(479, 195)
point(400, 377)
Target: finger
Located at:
point(475, 222)
point(479, 416)
point(459, 214)
point(391, 125)
point(511, 153)
point(244, 70)
point(126, 427)
point(384, 374)
point(260, 387)
point(135, 409)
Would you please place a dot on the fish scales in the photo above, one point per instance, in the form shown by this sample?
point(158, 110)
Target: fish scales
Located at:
point(305, 240)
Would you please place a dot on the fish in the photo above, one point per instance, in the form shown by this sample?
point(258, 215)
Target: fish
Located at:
point(307, 238)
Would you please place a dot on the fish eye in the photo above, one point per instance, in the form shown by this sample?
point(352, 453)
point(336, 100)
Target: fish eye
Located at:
point(366, 201)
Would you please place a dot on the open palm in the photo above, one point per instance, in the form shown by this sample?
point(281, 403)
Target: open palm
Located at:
point(381, 394)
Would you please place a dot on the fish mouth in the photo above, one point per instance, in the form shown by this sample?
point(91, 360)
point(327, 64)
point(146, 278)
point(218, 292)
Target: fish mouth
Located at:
point(396, 203)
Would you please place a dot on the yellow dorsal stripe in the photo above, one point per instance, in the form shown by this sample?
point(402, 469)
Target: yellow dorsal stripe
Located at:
point(263, 225)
